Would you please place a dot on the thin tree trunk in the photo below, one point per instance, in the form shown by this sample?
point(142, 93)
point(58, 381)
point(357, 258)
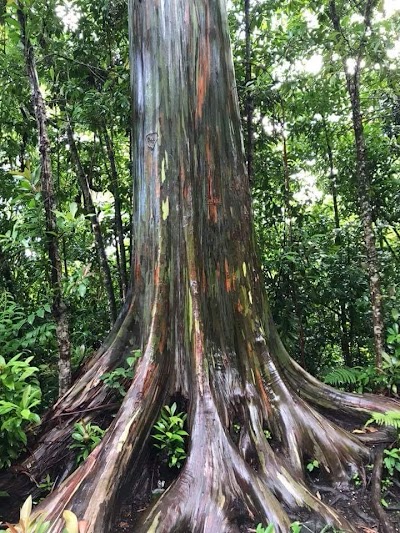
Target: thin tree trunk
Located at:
point(249, 105)
point(94, 222)
point(332, 176)
point(59, 309)
point(119, 230)
point(344, 336)
point(363, 178)
point(366, 216)
point(286, 177)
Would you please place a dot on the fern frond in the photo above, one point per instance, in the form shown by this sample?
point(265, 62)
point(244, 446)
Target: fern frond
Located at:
point(390, 418)
point(342, 376)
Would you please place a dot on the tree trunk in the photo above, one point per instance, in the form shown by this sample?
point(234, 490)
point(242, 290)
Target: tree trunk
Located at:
point(95, 224)
point(363, 178)
point(367, 222)
point(119, 231)
point(249, 111)
point(199, 314)
point(59, 309)
point(344, 336)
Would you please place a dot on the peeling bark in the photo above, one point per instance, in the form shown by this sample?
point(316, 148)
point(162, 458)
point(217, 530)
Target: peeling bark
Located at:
point(198, 312)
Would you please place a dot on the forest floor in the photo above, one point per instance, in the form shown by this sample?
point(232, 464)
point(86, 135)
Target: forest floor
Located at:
point(354, 503)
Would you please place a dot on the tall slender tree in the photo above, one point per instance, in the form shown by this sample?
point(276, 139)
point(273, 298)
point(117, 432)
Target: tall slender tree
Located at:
point(59, 308)
point(249, 111)
point(90, 210)
point(353, 80)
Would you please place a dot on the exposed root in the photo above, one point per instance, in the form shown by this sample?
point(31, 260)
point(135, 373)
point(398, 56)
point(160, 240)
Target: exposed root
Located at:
point(217, 490)
point(122, 448)
point(289, 490)
point(304, 433)
point(353, 406)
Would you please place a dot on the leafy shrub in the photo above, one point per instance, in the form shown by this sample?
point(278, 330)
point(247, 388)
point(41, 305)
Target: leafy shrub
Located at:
point(29, 522)
point(19, 394)
point(368, 378)
point(169, 433)
point(20, 331)
point(116, 377)
point(391, 460)
point(393, 338)
point(86, 437)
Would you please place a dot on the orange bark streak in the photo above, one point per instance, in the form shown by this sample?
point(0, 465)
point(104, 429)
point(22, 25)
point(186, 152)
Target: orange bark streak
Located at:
point(138, 271)
point(157, 275)
point(148, 380)
point(228, 278)
point(239, 307)
point(262, 392)
point(203, 76)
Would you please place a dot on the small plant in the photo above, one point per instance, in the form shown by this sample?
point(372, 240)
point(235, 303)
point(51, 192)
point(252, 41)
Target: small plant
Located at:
point(391, 460)
point(236, 428)
point(35, 522)
point(170, 435)
point(386, 483)
point(356, 480)
point(295, 527)
point(269, 529)
point(390, 418)
point(116, 377)
point(86, 437)
point(19, 394)
point(393, 338)
point(46, 485)
point(29, 522)
point(267, 434)
point(312, 465)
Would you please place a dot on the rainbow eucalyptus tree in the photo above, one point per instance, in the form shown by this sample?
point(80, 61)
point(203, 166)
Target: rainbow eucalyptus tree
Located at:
point(198, 312)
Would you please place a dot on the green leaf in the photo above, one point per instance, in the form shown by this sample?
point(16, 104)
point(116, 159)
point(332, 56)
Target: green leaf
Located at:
point(25, 413)
point(73, 209)
point(82, 290)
